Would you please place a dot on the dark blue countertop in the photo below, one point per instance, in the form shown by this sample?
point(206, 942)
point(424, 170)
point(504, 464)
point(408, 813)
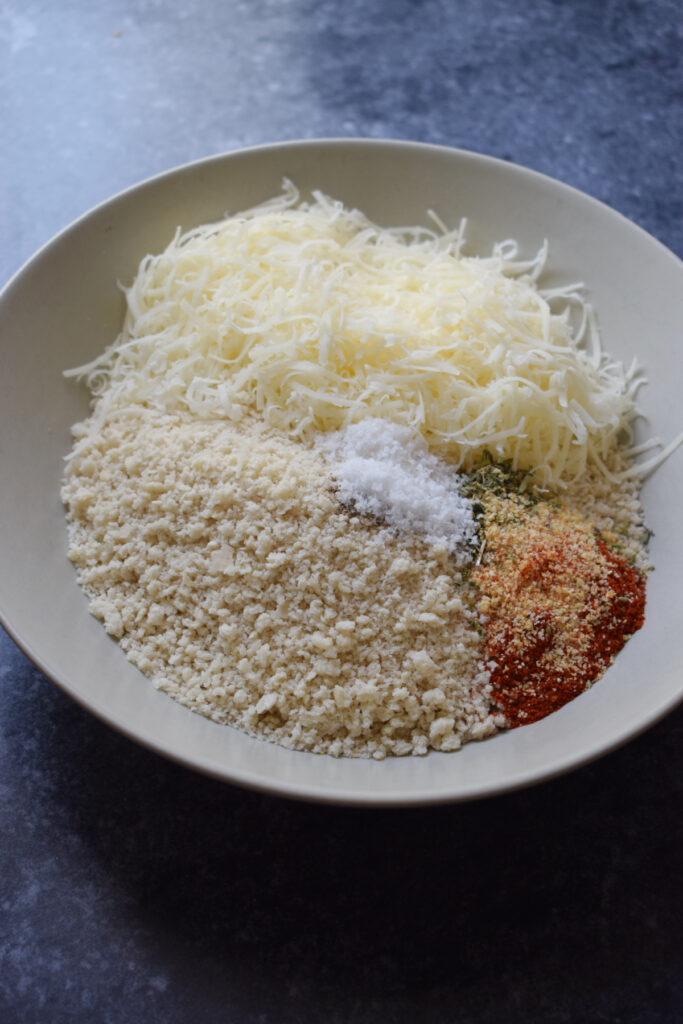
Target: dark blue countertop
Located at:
point(133, 890)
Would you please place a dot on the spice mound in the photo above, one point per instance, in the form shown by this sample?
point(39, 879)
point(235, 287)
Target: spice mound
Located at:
point(557, 603)
point(220, 559)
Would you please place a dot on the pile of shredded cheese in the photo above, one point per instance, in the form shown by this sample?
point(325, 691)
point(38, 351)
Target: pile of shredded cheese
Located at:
point(316, 318)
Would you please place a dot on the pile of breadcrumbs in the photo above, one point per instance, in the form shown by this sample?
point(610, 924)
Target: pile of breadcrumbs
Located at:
point(220, 559)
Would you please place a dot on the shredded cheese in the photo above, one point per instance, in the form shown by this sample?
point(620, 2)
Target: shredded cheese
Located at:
point(317, 318)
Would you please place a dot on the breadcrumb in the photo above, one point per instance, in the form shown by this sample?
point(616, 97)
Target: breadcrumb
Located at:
point(219, 558)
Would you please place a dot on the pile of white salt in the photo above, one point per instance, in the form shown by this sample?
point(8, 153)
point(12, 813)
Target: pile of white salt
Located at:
point(384, 470)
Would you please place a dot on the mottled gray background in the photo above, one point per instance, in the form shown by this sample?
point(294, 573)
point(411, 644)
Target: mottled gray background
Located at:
point(133, 890)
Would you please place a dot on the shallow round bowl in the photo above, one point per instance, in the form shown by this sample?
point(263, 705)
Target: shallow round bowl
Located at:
point(64, 307)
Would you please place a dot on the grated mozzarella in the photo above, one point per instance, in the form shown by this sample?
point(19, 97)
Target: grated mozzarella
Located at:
point(317, 318)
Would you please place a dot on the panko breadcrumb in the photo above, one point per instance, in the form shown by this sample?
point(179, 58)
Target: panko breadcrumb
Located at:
point(220, 559)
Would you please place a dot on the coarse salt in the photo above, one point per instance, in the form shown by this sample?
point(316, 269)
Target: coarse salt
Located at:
point(385, 470)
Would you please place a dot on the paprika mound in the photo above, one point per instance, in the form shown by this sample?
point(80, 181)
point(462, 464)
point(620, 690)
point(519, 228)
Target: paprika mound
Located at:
point(556, 603)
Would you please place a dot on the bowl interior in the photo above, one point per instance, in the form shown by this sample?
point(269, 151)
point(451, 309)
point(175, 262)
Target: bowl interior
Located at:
point(64, 307)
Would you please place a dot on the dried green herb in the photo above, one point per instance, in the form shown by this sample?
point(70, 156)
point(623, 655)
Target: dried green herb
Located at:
point(501, 479)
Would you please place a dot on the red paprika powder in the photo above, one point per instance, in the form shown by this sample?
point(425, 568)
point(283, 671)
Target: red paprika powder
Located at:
point(557, 605)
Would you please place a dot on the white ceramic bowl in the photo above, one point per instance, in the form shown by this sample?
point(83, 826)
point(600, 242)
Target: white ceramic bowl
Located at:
point(64, 306)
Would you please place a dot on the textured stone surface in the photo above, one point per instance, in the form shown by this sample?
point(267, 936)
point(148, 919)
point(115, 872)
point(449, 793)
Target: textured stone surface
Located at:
point(133, 890)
